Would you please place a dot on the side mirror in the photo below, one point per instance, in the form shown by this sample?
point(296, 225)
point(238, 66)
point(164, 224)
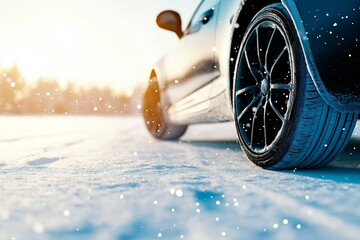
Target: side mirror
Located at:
point(170, 20)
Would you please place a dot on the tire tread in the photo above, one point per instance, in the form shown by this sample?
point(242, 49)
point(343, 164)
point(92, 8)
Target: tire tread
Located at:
point(320, 135)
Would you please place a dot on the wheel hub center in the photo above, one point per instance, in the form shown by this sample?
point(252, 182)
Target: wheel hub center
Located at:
point(265, 87)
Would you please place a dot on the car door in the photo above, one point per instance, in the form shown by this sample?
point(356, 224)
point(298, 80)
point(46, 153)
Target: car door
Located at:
point(190, 65)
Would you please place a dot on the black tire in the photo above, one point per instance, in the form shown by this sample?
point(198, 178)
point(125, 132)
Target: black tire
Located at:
point(153, 114)
point(282, 122)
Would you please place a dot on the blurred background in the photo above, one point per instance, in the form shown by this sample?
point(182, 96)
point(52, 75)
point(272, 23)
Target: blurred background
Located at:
point(80, 57)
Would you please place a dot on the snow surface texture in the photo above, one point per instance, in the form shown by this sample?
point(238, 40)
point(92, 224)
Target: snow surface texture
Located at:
point(106, 178)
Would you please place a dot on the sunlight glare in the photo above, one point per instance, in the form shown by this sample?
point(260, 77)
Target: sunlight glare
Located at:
point(102, 43)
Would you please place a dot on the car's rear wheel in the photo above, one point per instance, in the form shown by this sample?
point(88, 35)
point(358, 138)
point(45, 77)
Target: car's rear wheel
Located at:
point(154, 115)
point(281, 120)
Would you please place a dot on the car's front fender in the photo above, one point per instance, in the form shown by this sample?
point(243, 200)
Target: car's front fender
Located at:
point(330, 37)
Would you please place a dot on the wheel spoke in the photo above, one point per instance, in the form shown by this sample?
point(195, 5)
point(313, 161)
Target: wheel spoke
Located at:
point(251, 69)
point(277, 59)
point(258, 47)
point(248, 107)
point(265, 133)
point(267, 49)
point(276, 111)
point(253, 123)
point(281, 86)
point(246, 89)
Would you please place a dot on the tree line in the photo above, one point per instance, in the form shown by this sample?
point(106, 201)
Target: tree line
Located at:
point(46, 96)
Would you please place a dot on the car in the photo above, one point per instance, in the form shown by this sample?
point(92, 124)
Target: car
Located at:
point(286, 72)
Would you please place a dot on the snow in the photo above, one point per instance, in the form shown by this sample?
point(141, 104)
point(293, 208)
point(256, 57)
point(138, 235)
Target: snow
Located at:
point(106, 178)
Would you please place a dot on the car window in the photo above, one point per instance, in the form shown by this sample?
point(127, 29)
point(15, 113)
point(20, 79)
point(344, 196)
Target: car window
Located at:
point(199, 17)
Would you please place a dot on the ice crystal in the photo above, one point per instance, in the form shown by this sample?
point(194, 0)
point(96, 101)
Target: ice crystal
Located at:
point(38, 228)
point(179, 193)
point(66, 213)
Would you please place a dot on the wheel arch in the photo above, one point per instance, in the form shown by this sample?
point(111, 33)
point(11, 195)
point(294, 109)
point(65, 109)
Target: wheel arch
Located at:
point(326, 68)
point(247, 10)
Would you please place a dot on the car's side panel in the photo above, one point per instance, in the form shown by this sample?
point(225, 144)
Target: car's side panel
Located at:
point(223, 42)
point(190, 65)
point(220, 106)
point(334, 78)
point(193, 108)
point(329, 31)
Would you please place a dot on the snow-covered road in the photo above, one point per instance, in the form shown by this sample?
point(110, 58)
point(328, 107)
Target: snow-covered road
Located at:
point(106, 178)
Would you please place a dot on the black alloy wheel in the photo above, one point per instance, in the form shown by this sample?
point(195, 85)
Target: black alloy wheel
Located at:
point(266, 92)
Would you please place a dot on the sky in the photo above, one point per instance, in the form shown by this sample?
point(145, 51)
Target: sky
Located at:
point(98, 42)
